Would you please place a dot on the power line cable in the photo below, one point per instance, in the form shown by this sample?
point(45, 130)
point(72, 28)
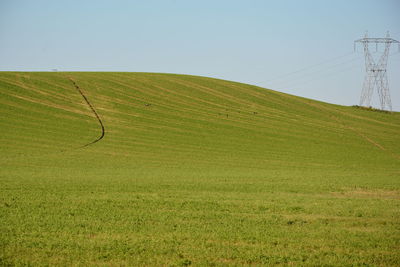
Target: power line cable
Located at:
point(279, 77)
point(314, 79)
point(318, 71)
point(326, 75)
point(299, 79)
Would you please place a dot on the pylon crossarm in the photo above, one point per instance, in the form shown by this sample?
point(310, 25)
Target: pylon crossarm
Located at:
point(376, 40)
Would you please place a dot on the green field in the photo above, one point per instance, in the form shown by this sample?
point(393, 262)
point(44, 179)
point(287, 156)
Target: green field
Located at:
point(191, 171)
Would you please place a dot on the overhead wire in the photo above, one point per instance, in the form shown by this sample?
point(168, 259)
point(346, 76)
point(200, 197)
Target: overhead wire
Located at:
point(301, 83)
point(329, 74)
point(313, 73)
point(279, 77)
point(300, 79)
point(282, 79)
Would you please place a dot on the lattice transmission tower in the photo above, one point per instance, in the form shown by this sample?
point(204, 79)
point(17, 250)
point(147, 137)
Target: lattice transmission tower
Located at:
point(376, 75)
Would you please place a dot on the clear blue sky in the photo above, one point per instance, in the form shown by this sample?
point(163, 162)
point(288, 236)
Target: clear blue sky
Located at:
point(252, 41)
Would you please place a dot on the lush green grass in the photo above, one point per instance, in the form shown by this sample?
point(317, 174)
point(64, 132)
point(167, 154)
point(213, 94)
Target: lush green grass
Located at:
point(192, 170)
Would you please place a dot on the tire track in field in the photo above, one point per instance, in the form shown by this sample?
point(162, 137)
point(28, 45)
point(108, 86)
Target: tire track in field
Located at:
point(357, 132)
point(371, 141)
point(103, 132)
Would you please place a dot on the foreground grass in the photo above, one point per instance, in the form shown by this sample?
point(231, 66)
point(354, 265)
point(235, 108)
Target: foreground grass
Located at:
point(192, 171)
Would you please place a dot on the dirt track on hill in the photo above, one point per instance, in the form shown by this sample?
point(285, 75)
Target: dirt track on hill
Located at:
point(357, 132)
point(103, 132)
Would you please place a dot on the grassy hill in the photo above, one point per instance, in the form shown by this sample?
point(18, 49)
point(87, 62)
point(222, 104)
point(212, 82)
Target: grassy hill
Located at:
point(191, 171)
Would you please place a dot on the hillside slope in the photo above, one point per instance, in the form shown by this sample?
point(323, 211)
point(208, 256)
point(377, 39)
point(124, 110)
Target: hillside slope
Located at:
point(191, 170)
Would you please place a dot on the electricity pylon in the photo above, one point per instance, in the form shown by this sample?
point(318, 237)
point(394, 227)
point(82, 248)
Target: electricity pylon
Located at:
point(376, 75)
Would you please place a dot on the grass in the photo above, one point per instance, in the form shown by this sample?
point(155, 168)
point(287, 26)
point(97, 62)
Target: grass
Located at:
point(192, 171)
